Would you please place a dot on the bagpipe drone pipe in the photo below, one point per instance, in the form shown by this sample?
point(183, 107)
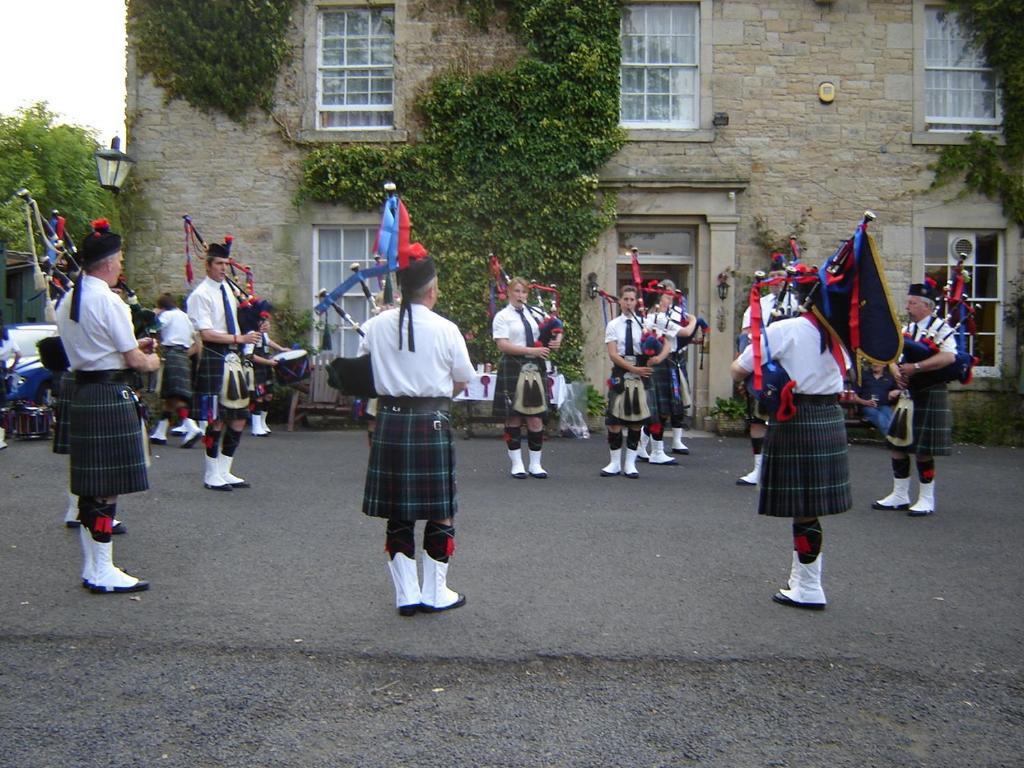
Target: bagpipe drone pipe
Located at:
point(549, 324)
point(52, 274)
point(354, 376)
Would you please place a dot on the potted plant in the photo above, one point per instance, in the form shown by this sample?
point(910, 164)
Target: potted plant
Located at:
point(730, 417)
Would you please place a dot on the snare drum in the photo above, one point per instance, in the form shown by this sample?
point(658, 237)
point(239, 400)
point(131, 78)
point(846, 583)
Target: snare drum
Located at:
point(292, 366)
point(33, 423)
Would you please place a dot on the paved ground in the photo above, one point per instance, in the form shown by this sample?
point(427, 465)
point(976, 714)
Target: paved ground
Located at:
point(610, 622)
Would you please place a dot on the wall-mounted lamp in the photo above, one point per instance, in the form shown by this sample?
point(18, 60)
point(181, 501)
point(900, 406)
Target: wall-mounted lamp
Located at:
point(592, 285)
point(723, 285)
point(720, 119)
point(112, 166)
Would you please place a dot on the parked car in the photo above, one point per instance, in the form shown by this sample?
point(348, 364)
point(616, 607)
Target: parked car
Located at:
point(30, 380)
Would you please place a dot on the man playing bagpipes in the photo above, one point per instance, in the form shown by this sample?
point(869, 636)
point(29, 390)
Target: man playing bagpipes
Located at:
point(922, 422)
point(179, 343)
point(774, 306)
point(223, 386)
point(419, 362)
point(798, 366)
point(668, 394)
point(805, 473)
point(627, 386)
point(104, 420)
point(521, 392)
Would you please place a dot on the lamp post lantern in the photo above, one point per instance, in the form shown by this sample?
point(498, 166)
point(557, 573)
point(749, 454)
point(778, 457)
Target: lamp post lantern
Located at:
point(112, 166)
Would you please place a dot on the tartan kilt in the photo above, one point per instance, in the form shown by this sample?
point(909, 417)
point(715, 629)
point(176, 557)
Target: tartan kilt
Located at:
point(263, 375)
point(108, 455)
point(411, 471)
point(63, 392)
point(208, 381)
point(177, 376)
point(505, 386)
point(661, 398)
point(610, 420)
point(805, 471)
point(933, 423)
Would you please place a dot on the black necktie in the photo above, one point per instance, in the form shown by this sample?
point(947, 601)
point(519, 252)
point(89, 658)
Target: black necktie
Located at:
point(629, 336)
point(526, 327)
point(229, 317)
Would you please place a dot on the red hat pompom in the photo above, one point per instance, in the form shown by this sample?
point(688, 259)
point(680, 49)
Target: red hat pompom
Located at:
point(228, 240)
point(101, 225)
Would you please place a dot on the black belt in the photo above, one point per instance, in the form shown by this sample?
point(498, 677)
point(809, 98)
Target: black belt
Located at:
point(102, 377)
point(816, 398)
point(415, 404)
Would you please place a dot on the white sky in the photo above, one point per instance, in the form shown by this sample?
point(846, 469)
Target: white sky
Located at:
point(70, 54)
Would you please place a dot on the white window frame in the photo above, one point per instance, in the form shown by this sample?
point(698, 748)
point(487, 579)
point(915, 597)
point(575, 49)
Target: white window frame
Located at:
point(676, 67)
point(322, 109)
point(940, 266)
point(969, 61)
point(344, 338)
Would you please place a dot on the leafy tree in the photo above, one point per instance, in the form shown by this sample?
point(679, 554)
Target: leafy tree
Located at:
point(55, 164)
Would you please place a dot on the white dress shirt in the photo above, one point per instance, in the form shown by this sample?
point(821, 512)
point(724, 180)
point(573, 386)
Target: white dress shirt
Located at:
point(206, 307)
point(98, 341)
point(440, 359)
point(796, 345)
point(176, 328)
point(507, 325)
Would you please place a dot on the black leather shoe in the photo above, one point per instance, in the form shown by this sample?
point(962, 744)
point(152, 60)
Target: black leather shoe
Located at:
point(217, 487)
point(119, 528)
point(409, 610)
point(920, 512)
point(781, 599)
point(887, 508)
point(72, 523)
point(157, 441)
point(431, 609)
point(139, 586)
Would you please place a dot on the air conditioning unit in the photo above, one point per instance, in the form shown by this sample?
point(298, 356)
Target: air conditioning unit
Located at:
point(962, 246)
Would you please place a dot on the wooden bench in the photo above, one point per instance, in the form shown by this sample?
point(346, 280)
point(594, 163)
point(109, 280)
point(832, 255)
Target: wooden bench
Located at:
point(315, 396)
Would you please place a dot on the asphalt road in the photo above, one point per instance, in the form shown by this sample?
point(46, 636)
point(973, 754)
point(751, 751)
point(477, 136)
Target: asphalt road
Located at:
point(609, 621)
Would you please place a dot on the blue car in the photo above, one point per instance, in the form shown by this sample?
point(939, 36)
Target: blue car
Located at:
point(30, 381)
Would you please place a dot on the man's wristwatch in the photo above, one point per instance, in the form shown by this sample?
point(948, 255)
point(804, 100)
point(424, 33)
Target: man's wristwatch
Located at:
point(917, 366)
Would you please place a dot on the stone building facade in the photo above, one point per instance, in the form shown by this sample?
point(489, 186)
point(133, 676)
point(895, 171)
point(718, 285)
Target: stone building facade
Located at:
point(806, 112)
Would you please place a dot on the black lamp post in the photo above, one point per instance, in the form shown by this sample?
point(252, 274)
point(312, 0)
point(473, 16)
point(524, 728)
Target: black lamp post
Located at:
point(112, 166)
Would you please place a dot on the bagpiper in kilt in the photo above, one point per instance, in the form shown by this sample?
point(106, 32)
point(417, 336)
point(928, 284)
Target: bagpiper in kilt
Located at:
point(103, 415)
point(177, 336)
point(213, 310)
point(665, 393)
point(521, 392)
point(922, 422)
point(264, 370)
point(627, 395)
point(770, 311)
point(805, 473)
point(419, 361)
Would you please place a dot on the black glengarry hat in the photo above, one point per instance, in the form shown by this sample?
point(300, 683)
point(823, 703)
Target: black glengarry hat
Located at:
point(925, 290)
point(99, 244)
